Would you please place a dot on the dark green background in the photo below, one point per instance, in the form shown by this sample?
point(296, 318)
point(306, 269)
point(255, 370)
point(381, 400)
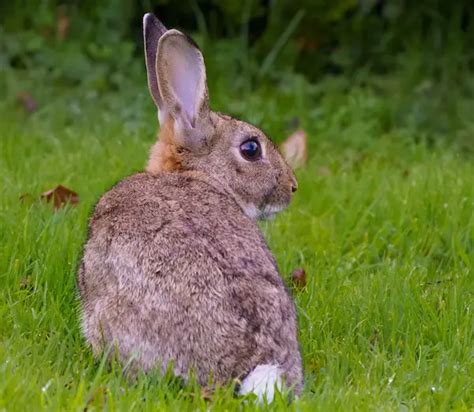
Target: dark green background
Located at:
point(324, 36)
point(417, 56)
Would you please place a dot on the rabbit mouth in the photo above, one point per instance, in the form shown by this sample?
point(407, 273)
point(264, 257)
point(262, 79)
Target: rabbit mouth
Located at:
point(270, 211)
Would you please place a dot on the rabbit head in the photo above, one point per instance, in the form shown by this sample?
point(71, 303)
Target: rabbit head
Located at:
point(231, 153)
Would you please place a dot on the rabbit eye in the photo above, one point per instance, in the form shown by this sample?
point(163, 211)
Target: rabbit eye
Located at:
point(251, 150)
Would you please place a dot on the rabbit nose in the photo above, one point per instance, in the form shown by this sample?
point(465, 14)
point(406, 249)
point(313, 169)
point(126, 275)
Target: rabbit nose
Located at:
point(294, 183)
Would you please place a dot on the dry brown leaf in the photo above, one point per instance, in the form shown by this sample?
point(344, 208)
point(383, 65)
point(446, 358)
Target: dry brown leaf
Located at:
point(60, 196)
point(294, 149)
point(28, 102)
point(299, 278)
point(26, 283)
point(206, 393)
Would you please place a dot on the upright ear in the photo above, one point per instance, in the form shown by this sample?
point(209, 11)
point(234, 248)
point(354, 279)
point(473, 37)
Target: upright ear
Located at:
point(294, 149)
point(182, 81)
point(152, 32)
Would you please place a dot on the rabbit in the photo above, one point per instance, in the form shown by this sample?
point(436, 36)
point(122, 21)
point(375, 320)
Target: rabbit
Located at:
point(175, 272)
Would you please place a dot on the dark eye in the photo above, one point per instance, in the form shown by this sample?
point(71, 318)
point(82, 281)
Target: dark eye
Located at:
point(251, 150)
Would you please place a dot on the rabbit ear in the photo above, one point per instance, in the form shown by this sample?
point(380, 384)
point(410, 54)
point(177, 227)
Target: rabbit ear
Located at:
point(182, 80)
point(152, 32)
point(294, 149)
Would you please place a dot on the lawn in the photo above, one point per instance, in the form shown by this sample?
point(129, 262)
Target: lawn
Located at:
point(382, 223)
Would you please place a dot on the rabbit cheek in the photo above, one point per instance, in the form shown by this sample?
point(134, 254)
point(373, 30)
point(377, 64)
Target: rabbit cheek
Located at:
point(276, 199)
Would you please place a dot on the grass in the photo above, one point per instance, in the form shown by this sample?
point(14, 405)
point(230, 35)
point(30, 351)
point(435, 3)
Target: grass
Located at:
point(383, 225)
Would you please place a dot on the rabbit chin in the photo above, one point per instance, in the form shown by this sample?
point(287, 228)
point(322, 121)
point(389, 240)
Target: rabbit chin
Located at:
point(268, 212)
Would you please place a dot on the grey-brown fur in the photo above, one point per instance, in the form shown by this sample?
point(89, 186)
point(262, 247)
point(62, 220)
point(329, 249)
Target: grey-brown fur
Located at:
point(176, 269)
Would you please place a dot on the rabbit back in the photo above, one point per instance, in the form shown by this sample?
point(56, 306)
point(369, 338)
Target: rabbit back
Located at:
point(174, 273)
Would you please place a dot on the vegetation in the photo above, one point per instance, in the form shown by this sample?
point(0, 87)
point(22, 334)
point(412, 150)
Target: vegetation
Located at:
point(382, 221)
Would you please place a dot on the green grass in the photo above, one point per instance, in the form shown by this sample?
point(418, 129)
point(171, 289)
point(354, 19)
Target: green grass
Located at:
point(383, 224)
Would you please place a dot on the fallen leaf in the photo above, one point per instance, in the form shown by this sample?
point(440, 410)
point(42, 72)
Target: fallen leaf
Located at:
point(206, 393)
point(60, 196)
point(26, 283)
point(294, 149)
point(28, 102)
point(299, 278)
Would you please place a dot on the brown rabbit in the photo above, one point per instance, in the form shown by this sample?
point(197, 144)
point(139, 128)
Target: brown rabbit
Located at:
point(175, 270)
